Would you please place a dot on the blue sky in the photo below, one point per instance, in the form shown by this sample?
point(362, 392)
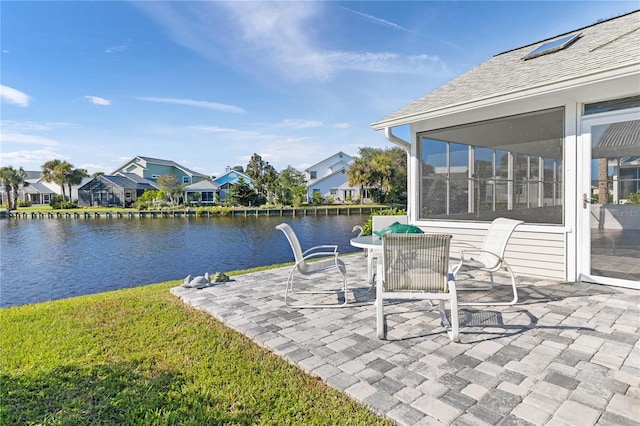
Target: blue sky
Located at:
point(207, 84)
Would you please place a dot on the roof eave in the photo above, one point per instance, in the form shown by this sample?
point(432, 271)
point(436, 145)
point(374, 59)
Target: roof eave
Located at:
point(621, 71)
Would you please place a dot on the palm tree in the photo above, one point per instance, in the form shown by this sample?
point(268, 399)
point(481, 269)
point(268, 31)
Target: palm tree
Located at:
point(5, 178)
point(359, 174)
point(18, 179)
point(75, 178)
point(12, 179)
point(382, 171)
point(56, 171)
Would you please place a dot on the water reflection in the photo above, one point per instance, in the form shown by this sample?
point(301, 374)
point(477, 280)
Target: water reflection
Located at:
point(52, 259)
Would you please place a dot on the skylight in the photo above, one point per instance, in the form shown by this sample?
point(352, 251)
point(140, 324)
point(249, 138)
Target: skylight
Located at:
point(552, 46)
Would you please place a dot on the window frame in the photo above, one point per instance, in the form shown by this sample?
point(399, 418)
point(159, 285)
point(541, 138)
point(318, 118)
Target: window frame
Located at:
point(520, 172)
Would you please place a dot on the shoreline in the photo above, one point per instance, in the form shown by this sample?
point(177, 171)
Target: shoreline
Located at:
point(192, 212)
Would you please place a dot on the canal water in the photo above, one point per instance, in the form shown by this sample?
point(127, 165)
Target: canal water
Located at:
point(51, 259)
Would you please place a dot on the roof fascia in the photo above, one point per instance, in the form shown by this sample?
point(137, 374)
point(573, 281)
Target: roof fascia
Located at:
point(337, 154)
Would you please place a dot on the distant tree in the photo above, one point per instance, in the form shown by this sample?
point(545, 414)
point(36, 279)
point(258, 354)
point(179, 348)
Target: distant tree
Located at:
point(383, 171)
point(270, 178)
point(56, 171)
point(262, 175)
point(5, 178)
point(96, 174)
point(241, 193)
point(237, 169)
point(290, 187)
point(11, 180)
point(359, 174)
point(18, 179)
point(398, 179)
point(74, 177)
point(171, 186)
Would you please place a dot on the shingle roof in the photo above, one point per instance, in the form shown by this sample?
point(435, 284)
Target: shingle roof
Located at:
point(162, 163)
point(125, 182)
point(170, 163)
point(33, 175)
point(134, 177)
point(38, 188)
point(202, 185)
point(602, 47)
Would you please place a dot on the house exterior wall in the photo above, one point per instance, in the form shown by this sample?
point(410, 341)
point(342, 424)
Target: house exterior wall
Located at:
point(531, 251)
point(227, 180)
point(151, 170)
point(326, 185)
point(329, 174)
point(546, 251)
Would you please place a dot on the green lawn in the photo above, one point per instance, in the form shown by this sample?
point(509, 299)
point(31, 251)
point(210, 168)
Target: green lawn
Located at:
point(140, 356)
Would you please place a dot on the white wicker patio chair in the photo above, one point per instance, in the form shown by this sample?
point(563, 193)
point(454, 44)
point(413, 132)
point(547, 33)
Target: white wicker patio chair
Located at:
point(416, 266)
point(378, 223)
point(327, 256)
point(490, 258)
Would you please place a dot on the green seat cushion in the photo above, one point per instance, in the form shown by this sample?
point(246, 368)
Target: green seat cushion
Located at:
point(399, 228)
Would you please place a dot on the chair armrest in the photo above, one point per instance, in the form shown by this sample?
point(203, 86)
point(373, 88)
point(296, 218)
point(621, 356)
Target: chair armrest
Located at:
point(468, 255)
point(313, 251)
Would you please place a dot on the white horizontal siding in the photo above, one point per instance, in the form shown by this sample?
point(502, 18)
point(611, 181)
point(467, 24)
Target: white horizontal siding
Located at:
point(530, 253)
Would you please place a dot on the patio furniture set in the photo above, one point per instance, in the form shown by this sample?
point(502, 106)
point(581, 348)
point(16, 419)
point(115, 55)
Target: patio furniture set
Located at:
point(403, 266)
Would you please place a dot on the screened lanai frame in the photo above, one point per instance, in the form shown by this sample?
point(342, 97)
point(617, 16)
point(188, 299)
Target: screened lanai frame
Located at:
point(101, 193)
point(506, 167)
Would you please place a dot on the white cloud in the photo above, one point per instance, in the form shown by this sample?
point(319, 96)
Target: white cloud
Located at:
point(13, 96)
point(341, 125)
point(17, 126)
point(277, 36)
point(96, 100)
point(29, 159)
point(22, 139)
point(116, 48)
point(225, 130)
point(386, 62)
point(299, 124)
point(378, 21)
point(198, 104)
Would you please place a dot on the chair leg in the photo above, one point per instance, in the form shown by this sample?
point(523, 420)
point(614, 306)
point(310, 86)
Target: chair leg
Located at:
point(513, 286)
point(477, 287)
point(452, 327)
point(380, 329)
point(289, 288)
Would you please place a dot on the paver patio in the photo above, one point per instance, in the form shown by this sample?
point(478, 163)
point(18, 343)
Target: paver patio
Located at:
point(566, 354)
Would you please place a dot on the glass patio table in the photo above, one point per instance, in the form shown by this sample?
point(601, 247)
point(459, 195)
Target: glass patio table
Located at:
point(373, 245)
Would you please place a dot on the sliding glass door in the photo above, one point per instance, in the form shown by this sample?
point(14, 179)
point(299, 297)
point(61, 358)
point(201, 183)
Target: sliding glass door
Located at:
point(609, 229)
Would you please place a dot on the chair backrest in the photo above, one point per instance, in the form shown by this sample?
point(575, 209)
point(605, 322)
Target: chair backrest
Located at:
point(293, 241)
point(381, 222)
point(416, 262)
point(497, 237)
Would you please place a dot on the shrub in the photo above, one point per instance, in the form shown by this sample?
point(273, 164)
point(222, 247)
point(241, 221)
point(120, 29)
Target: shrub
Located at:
point(367, 226)
point(58, 202)
point(317, 198)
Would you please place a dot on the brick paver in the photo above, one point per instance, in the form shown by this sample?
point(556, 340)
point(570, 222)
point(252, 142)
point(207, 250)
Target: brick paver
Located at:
point(567, 353)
